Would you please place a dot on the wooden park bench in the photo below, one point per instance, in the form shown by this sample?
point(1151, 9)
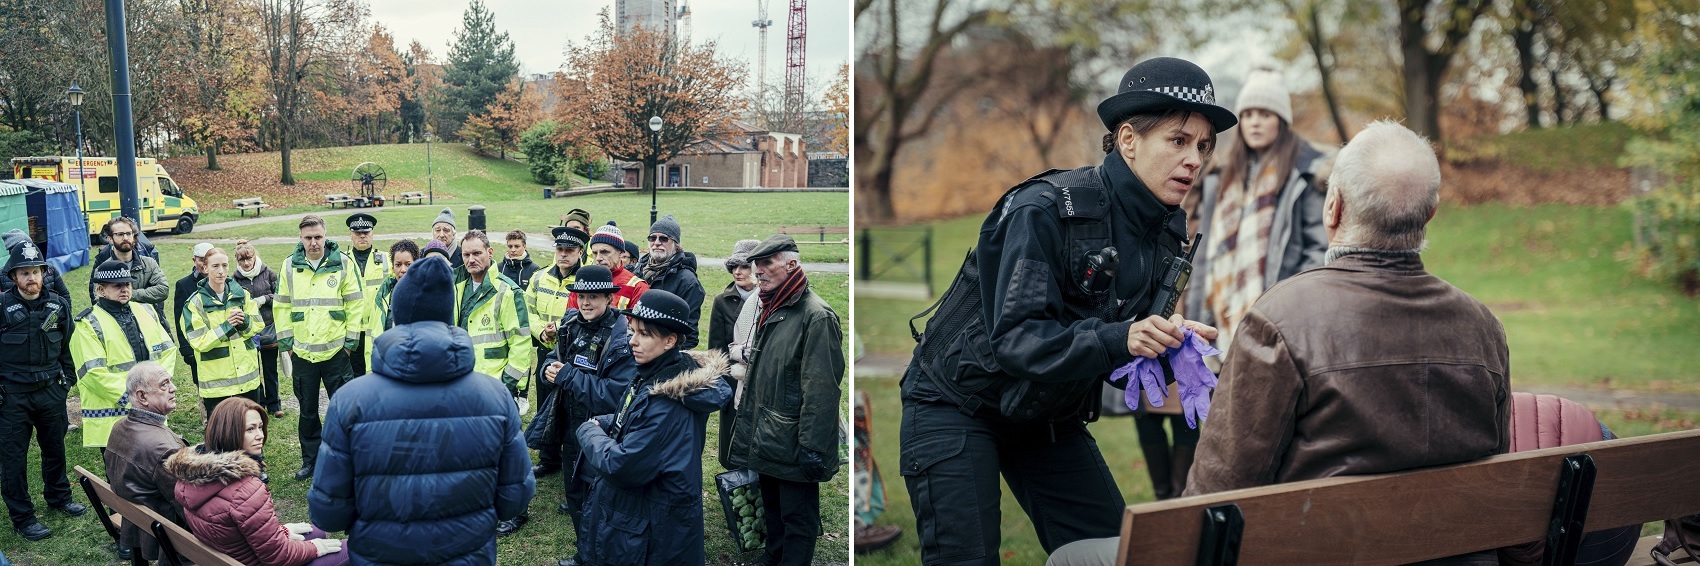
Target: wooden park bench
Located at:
point(820, 231)
point(174, 540)
point(243, 205)
point(339, 198)
point(412, 197)
point(1553, 495)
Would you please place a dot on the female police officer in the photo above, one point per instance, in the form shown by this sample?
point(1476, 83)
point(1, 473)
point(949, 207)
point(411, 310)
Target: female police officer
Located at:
point(1072, 260)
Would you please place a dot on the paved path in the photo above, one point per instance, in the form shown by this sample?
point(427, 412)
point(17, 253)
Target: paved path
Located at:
point(891, 366)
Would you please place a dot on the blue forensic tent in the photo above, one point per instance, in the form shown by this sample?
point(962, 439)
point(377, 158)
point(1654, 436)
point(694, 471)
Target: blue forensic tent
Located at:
point(58, 221)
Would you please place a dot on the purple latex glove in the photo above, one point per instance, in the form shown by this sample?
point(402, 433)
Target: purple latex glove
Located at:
point(1195, 379)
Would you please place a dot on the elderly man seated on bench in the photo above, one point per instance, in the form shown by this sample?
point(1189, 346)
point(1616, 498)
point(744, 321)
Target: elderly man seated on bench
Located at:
point(1365, 365)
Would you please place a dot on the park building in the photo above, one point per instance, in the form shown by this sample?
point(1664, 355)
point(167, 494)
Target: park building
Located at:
point(741, 156)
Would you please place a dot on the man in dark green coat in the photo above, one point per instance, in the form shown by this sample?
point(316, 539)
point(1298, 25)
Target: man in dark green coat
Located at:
point(787, 426)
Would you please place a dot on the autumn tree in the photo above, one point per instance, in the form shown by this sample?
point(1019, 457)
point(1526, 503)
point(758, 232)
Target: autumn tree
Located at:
point(480, 63)
point(612, 85)
point(423, 77)
point(838, 105)
point(220, 83)
point(1430, 34)
point(499, 126)
point(300, 39)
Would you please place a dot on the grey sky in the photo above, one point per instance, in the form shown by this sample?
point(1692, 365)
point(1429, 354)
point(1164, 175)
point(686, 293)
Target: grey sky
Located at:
point(541, 29)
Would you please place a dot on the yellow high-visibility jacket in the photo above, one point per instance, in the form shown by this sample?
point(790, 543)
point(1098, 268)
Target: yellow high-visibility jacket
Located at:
point(104, 358)
point(495, 316)
point(225, 357)
point(378, 316)
point(546, 299)
point(319, 311)
point(372, 272)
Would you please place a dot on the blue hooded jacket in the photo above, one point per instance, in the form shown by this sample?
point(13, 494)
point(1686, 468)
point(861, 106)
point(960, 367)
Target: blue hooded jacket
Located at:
point(645, 504)
point(422, 456)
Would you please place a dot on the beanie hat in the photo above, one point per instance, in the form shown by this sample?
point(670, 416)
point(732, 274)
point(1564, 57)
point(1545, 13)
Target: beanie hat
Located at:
point(579, 214)
point(434, 246)
point(609, 234)
point(427, 293)
point(632, 250)
point(446, 216)
point(666, 226)
point(1265, 89)
point(741, 254)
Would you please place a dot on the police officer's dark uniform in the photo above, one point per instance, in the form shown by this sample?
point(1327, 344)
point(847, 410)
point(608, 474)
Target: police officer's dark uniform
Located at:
point(1006, 372)
point(36, 373)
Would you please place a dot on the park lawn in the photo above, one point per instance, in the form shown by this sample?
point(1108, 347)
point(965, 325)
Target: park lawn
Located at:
point(1575, 313)
point(457, 173)
point(712, 221)
point(547, 538)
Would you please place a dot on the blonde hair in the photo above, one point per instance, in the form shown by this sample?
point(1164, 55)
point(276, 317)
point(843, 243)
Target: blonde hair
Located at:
point(245, 250)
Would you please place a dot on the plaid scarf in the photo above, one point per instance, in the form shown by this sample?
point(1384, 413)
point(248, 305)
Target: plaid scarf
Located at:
point(1239, 242)
point(772, 300)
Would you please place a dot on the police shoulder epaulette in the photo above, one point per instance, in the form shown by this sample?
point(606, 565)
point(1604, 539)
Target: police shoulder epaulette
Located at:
point(1082, 202)
point(85, 313)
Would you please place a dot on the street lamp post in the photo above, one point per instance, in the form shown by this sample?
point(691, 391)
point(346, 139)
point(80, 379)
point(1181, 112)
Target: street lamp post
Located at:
point(654, 159)
point(76, 96)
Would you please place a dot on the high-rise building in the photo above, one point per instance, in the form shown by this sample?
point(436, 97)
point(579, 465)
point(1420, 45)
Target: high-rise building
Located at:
point(651, 14)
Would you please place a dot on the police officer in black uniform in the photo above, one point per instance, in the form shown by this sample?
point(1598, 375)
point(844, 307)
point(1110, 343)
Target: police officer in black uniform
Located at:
point(1055, 297)
point(36, 372)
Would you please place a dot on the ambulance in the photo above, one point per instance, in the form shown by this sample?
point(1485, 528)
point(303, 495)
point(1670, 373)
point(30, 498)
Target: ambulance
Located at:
point(163, 205)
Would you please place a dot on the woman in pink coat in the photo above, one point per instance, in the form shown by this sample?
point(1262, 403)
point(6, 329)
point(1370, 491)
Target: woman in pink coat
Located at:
point(227, 505)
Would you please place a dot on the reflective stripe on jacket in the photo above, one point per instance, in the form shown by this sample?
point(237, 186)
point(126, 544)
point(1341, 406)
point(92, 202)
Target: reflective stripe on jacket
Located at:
point(318, 311)
point(546, 300)
point(225, 357)
point(104, 358)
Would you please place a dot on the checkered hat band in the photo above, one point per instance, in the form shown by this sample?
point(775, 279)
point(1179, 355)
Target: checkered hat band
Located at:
point(647, 313)
point(567, 240)
point(113, 274)
point(360, 225)
point(594, 286)
point(1188, 94)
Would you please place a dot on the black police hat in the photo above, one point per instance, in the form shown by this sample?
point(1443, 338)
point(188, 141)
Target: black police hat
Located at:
point(569, 237)
point(25, 254)
point(112, 271)
point(361, 222)
point(593, 279)
point(1165, 83)
point(662, 308)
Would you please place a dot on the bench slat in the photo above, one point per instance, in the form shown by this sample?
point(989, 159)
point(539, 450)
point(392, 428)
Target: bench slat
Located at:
point(181, 540)
point(1426, 514)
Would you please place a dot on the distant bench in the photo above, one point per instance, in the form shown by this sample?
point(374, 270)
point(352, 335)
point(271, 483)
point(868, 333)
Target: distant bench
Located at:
point(1553, 495)
point(820, 231)
point(173, 538)
point(412, 197)
point(243, 205)
point(339, 198)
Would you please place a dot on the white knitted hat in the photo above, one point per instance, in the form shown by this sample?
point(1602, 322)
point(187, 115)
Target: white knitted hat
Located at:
point(1265, 89)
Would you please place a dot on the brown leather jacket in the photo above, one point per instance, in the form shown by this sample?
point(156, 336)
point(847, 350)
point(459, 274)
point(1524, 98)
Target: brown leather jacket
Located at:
point(1366, 365)
point(135, 466)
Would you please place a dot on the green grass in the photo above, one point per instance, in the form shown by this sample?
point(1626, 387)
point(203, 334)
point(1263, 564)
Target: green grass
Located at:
point(1574, 314)
point(546, 539)
point(1564, 148)
point(712, 221)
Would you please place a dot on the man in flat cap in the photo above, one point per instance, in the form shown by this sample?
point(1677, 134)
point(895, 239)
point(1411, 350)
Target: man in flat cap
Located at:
point(372, 266)
point(792, 397)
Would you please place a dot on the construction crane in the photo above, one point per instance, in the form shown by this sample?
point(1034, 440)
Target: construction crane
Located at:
point(761, 24)
point(685, 22)
point(796, 33)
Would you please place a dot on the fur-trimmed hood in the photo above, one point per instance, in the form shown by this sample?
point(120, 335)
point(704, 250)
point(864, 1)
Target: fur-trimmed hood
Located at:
point(701, 389)
point(193, 466)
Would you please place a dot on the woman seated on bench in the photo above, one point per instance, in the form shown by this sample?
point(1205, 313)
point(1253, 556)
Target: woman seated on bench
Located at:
point(226, 504)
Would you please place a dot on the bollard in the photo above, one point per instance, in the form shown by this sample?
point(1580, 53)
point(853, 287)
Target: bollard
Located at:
point(548, 193)
point(475, 217)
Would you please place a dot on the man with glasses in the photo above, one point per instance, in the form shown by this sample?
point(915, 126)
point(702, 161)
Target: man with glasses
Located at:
point(150, 286)
point(135, 462)
point(670, 268)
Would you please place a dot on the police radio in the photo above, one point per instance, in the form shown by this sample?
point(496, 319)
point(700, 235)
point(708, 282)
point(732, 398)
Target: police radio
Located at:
point(1176, 271)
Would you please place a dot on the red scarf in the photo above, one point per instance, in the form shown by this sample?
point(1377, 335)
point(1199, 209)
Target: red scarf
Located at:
point(771, 300)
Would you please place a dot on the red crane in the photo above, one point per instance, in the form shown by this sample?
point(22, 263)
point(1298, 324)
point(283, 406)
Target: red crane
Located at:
point(796, 34)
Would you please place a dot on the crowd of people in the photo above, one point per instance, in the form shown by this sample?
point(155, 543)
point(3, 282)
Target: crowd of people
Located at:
point(428, 363)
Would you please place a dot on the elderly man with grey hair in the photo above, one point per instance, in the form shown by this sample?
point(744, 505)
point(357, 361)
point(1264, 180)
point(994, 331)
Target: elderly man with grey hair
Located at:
point(1366, 365)
point(136, 452)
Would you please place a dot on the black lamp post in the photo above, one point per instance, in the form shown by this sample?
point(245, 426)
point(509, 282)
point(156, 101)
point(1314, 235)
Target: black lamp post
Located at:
point(430, 182)
point(76, 96)
point(654, 161)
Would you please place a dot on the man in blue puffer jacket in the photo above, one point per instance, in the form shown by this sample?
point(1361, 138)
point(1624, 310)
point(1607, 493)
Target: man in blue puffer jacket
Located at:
point(439, 446)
